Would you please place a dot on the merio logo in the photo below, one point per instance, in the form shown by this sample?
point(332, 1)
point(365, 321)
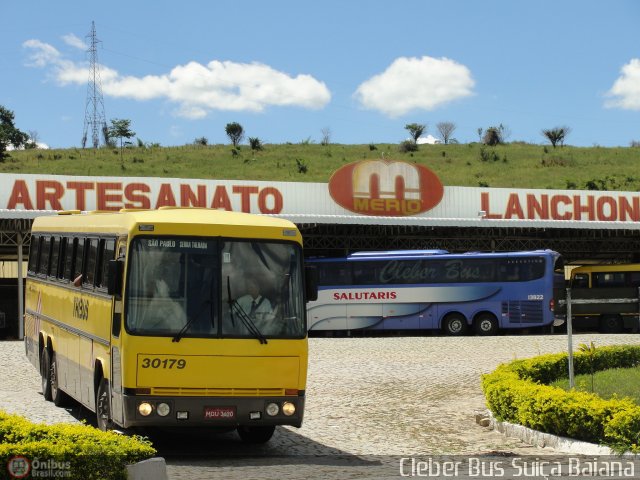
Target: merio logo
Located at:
point(385, 188)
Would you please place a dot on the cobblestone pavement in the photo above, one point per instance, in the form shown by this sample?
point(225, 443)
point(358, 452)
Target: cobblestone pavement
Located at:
point(370, 401)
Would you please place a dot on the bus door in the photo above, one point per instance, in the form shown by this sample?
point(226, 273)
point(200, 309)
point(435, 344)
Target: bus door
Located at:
point(115, 272)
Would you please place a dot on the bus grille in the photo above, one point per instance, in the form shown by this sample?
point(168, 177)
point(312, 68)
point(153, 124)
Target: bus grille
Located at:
point(218, 392)
point(528, 311)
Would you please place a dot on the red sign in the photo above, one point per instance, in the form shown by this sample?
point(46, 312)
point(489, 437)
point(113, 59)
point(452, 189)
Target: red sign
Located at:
point(385, 188)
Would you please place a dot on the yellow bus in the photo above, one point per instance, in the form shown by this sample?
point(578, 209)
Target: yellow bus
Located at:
point(607, 283)
point(142, 316)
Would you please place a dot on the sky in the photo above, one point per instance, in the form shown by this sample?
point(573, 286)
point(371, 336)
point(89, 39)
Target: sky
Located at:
point(357, 71)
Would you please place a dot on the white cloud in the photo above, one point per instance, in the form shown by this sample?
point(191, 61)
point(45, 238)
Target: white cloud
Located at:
point(429, 139)
point(42, 54)
point(196, 89)
point(75, 42)
point(415, 83)
point(625, 92)
point(39, 145)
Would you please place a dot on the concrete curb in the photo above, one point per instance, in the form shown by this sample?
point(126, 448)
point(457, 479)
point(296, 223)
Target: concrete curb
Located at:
point(547, 440)
point(151, 469)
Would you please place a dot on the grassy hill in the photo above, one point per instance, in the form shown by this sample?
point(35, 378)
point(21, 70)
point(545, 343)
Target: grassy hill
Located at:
point(513, 165)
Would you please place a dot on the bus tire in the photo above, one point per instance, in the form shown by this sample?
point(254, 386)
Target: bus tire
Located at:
point(611, 324)
point(45, 373)
point(103, 406)
point(485, 324)
point(261, 434)
point(454, 324)
point(60, 399)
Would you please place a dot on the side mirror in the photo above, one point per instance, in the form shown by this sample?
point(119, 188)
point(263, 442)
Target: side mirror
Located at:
point(311, 283)
point(114, 277)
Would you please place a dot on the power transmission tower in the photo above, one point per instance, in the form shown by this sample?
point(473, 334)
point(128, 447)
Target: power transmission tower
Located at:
point(94, 119)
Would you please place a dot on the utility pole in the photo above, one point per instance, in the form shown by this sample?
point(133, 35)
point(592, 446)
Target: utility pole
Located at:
point(94, 119)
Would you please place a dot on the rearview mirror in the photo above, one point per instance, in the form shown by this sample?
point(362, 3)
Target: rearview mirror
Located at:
point(114, 277)
point(311, 283)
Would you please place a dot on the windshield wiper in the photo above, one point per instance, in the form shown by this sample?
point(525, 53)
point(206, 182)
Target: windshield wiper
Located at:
point(184, 329)
point(244, 318)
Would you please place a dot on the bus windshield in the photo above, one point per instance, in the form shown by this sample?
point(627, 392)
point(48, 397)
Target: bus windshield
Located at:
point(195, 287)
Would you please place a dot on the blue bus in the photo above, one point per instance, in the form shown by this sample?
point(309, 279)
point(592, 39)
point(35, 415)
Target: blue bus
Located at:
point(436, 290)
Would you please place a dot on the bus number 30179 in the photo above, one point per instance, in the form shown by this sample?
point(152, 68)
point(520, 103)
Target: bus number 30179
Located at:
point(163, 363)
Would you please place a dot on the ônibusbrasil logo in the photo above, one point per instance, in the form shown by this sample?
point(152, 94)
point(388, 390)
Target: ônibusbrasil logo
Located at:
point(18, 466)
point(385, 188)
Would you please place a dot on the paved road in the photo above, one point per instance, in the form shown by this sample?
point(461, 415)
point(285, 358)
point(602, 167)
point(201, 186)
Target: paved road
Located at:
point(369, 402)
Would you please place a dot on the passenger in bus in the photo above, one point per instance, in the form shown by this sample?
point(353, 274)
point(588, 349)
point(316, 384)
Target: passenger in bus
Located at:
point(163, 312)
point(257, 307)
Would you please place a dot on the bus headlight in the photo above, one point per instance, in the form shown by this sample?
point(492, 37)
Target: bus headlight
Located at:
point(288, 408)
point(272, 409)
point(163, 409)
point(145, 409)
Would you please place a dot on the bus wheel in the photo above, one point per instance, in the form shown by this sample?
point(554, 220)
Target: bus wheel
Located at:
point(60, 399)
point(45, 373)
point(486, 324)
point(256, 434)
point(611, 324)
point(454, 324)
point(103, 406)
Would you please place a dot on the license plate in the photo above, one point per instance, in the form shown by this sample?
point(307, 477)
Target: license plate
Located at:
point(219, 413)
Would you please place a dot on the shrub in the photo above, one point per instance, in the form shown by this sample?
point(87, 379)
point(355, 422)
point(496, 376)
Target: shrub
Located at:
point(255, 143)
point(302, 166)
point(488, 155)
point(518, 392)
point(82, 451)
point(408, 146)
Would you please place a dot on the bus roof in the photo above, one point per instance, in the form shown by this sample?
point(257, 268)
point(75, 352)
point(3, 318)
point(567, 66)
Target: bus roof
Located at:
point(399, 253)
point(415, 254)
point(171, 220)
point(610, 267)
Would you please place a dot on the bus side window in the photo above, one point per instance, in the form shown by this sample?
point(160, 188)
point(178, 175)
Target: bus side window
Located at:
point(106, 252)
point(70, 253)
point(62, 257)
point(55, 256)
point(333, 273)
point(634, 279)
point(91, 259)
point(45, 250)
point(580, 280)
point(34, 250)
point(608, 279)
point(76, 276)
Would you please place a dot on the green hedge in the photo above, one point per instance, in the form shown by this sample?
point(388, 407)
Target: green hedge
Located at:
point(83, 451)
point(518, 392)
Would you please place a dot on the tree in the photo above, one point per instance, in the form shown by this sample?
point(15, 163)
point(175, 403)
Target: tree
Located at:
point(120, 129)
point(556, 135)
point(495, 135)
point(9, 134)
point(416, 130)
point(326, 136)
point(235, 132)
point(445, 130)
point(492, 137)
point(255, 143)
point(32, 142)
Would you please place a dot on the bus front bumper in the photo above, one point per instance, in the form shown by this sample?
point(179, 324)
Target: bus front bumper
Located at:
point(211, 411)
